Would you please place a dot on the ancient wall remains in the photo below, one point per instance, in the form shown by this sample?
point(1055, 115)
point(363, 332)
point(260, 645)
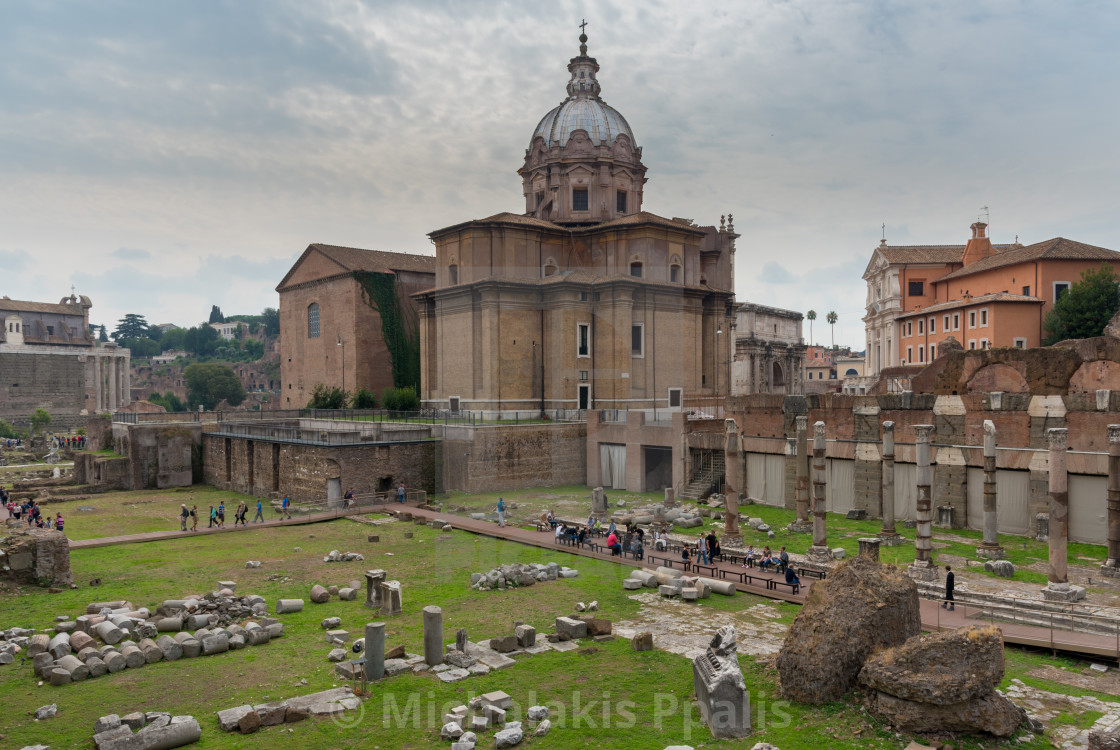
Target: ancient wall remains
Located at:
point(35, 556)
point(504, 457)
point(52, 382)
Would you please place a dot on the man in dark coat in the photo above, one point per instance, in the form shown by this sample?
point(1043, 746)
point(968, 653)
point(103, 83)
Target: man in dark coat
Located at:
point(949, 583)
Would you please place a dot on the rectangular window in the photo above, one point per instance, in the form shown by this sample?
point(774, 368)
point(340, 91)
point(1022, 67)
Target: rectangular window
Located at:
point(1020, 343)
point(909, 354)
point(971, 318)
point(1026, 291)
point(933, 325)
point(984, 318)
point(945, 323)
point(583, 296)
point(583, 376)
point(921, 354)
point(579, 199)
point(921, 327)
point(932, 352)
point(637, 340)
point(956, 321)
point(1060, 288)
point(675, 274)
point(985, 344)
point(972, 343)
point(583, 340)
point(620, 201)
point(916, 288)
point(674, 398)
point(636, 270)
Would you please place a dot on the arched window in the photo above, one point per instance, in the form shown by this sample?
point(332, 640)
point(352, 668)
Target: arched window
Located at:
point(675, 273)
point(777, 378)
point(313, 320)
point(851, 373)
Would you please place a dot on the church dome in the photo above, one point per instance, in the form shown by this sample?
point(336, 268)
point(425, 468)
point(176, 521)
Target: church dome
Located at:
point(583, 109)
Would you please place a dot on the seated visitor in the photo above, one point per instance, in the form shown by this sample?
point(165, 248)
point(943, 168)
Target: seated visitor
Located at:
point(792, 578)
point(636, 547)
point(552, 520)
point(783, 560)
point(748, 558)
point(685, 555)
point(613, 544)
point(559, 532)
point(768, 558)
point(583, 534)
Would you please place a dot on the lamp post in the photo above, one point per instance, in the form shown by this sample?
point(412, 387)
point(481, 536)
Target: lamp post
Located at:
point(343, 345)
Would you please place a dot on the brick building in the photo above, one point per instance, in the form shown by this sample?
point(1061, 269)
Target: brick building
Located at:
point(981, 294)
point(585, 300)
point(49, 359)
point(330, 333)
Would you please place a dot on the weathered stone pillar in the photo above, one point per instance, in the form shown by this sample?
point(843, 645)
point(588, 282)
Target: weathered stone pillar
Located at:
point(375, 651)
point(1111, 567)
point(990, 548)
point(391, 600)
point(599, 503)
point(1058, 588)
point(733, 480)
point(868, 466)
point(869, 547)
point(802, 524)
point(888, 536)
point(819, 552)
point(374, 579)
point(922, 568)
point(433, 635)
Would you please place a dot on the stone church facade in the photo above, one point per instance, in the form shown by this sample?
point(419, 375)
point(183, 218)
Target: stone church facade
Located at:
point(585, 300)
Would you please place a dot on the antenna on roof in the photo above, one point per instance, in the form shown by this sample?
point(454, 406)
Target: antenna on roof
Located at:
point(986, 218)
point(884, 231)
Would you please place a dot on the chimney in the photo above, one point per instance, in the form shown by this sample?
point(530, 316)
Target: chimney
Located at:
point(979, 246)
point(978, 230)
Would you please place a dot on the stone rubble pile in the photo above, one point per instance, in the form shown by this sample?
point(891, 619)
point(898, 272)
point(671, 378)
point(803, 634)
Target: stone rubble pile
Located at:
point(671, 582)
point(488, 711)
point(322, 594)
point(248, 719)
point(12, 642)
point(154, 730)
point(120, 637)
point(514, 575)
point(336, 556)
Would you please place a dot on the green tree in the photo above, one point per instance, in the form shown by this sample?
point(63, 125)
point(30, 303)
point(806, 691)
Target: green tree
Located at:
point(832, 317)
point(201, 340)
point(253, 349)
point(8, 431)
point(173, 338)
point(40, 418)
point(131, 326)
point(1084, 310)
point(400, 399)
point(811, 316)
point(363, 398)
point(271, 321)
point(208, 384)
point(327, 397)
point(103, 336)
point(168, 401)
point(141, 347)
point(216, 315)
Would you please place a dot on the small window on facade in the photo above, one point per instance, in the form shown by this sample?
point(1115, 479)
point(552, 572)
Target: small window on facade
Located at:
point(1026, 291)
point(50, 330)
point(583, 340)
point(674, 398)
point(945, 323)
point(909, 354)
point(313, 320)
point(921, 327)
point(984, 318)
point(583, 376)
point(971, 318)
point(956, 321)
point(636, 270)
point(595, 296)
point(637, 340)
point(620, 201)
point(579, 199)
point(583, 296)
point(972, 343)
point(932, 352)
point(933, 325)
point(1020, 343)
point(921, 354)
point(916, 288)
point(1060, 288)
point(453, 274)
point(550, 270)
point(675, 274)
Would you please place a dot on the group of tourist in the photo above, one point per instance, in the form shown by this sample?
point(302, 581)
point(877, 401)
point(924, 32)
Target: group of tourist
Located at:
point(73, 442)
point(218, 515)
point(16, 443)
point(30, 510)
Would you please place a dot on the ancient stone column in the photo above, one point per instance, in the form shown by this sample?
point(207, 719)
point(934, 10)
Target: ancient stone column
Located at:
point(869, 547)
point(375, 651)
point(1111, 567)
point(819, 552)
point(391, 601)
point(599, 503)
point(922, 567)
point(433, 635)
point(888, 536)
point(733, 480)
point(374, 579)
point(990, 548)
point(802, 524)
point(1058, 588)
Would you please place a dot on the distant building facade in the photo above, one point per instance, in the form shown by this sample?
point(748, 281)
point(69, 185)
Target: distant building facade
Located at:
point(330, 333)
point(585, 301)
point(769, 351)
point(50, 359)
point(981, 294)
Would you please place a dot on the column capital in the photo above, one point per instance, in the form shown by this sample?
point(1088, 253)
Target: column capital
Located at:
point(1058, 438)
point(1114, 433)
point(922, 432)
point(989, 437)
point(801, 422)
point(818, 435)
point(888, 426)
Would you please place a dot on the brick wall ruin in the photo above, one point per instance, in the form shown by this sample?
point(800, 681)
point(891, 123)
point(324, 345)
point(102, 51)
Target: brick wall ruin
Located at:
point(37, 557)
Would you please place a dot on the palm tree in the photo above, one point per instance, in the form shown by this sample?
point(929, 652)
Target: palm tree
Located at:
point(811, 316)
point(832, 317)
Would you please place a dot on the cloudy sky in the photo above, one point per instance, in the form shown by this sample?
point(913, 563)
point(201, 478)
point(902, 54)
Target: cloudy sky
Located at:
point(163, 157)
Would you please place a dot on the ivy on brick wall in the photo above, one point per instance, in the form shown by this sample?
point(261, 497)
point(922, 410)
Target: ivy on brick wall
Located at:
point(400, 326)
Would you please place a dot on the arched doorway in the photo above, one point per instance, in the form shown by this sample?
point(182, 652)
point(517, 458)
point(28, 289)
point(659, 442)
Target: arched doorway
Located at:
point(777, 378)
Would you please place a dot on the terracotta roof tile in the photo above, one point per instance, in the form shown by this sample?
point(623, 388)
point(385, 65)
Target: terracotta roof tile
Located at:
point(980, 300)
point(357, 259)
point(15, 305)
point(1058, 248)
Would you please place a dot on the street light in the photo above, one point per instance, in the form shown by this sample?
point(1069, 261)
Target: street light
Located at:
point(343, 345)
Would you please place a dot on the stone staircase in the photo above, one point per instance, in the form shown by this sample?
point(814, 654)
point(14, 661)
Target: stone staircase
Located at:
point(705, 477)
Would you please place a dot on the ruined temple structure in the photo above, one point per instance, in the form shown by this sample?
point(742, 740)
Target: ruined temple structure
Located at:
point(34, 556)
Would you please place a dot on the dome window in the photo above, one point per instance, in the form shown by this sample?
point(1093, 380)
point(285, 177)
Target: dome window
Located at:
point(620, 201)
point(675, 273)
point(453, 274)
point(636, 270)
point(579, 199)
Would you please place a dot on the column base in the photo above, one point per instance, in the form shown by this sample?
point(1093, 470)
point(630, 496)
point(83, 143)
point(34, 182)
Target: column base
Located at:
point(891, 539)
point(1062, 592)
point(1110, 569)
point(993, 552)
point(922, 571)
point(732, 540)
point(819, 554)
point(801, 527)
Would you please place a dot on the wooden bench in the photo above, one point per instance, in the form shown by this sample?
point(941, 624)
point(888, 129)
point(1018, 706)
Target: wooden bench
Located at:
point(811, 573)
point(765, 582)
point(712, 568)
point(728, 573)
point(668, 562)
point(774, 584)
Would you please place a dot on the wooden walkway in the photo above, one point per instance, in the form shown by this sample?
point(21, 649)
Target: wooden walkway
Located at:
point(933, 617)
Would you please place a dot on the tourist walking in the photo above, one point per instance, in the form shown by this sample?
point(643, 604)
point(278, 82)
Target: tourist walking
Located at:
point(702, 550)
point(194, 518)
point(221, 514)
point(284, 505)
point(950, 582)
point(501, 512)
point(213, 517)
point(184, 514)
point(259, 518)
point(239, 514)
point(59, 522)
point(400, 493)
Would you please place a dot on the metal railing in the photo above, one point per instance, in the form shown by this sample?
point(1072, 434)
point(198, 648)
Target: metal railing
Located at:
point(422, 416)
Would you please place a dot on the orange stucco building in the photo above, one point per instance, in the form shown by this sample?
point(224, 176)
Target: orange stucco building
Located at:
point(981, 294)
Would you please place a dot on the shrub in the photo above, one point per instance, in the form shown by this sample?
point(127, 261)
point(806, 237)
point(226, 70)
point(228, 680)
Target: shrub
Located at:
point(363, 398)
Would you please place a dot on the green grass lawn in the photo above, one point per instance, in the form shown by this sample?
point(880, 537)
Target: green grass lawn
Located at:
point(643, 697)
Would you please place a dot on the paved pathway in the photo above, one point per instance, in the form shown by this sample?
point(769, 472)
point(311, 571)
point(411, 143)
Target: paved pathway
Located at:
point(933, 617)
